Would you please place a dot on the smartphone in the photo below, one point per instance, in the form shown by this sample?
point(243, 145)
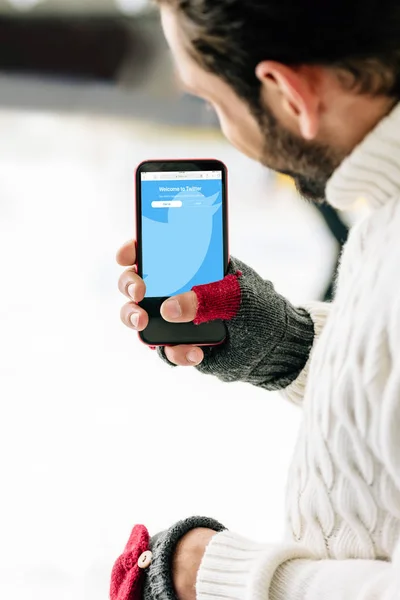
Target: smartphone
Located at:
point(182, 241)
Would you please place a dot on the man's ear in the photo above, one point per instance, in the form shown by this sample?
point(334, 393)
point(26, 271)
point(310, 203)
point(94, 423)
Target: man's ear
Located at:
point(295, 95)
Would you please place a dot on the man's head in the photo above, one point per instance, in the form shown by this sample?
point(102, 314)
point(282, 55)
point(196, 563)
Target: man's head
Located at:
point(296, 84)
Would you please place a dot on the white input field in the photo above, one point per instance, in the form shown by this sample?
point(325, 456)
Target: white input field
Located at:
point(167, 204)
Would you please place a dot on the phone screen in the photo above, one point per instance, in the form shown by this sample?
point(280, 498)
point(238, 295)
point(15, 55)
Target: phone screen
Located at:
point(182, 241)
point(182, 230)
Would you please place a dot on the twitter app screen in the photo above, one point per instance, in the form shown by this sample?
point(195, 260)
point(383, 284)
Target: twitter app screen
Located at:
point(182, 231)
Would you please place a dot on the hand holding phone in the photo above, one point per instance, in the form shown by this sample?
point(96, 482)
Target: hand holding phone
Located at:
point(268, 341)
point(181, 259)
point(135, 317)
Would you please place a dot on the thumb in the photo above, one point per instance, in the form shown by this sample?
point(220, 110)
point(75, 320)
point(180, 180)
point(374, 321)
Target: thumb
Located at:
point(180, 309)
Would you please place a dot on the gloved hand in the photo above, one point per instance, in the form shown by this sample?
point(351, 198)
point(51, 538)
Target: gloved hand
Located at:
point(268, 339)
point(144, 570)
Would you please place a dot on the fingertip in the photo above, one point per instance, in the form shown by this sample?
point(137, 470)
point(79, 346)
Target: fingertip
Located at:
point(171, 310)
point(134, 317)
point(170, 355)
point(140, 293)
point(180, 309)
point(126, 255)
point(195, 356)
point(143, 321)
point(184, 356)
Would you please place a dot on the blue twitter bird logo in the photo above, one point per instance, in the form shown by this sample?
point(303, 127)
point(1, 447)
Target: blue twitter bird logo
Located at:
point(178, 247)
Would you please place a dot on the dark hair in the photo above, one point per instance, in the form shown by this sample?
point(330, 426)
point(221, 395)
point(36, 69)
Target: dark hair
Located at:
point(360, 39)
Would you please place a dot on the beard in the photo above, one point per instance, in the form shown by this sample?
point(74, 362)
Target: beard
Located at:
point(311, 164)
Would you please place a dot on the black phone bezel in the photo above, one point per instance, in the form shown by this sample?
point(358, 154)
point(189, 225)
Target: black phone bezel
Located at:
point(159, 332)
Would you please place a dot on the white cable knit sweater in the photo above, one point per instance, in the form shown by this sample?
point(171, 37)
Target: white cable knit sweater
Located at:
point(343, 499)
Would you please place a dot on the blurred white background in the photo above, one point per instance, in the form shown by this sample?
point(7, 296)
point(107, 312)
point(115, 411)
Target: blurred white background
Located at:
point(129, 7)
point(96, 434)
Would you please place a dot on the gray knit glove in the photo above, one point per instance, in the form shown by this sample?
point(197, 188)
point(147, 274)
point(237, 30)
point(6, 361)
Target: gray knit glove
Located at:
point(268, 340)
point(144, 570)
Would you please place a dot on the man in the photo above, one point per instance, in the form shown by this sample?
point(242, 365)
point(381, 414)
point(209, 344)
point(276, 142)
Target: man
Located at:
point(310, 89)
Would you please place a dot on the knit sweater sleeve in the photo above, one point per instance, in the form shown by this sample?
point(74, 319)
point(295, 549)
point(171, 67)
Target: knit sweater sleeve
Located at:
point(236, 568)
point(319, 312)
